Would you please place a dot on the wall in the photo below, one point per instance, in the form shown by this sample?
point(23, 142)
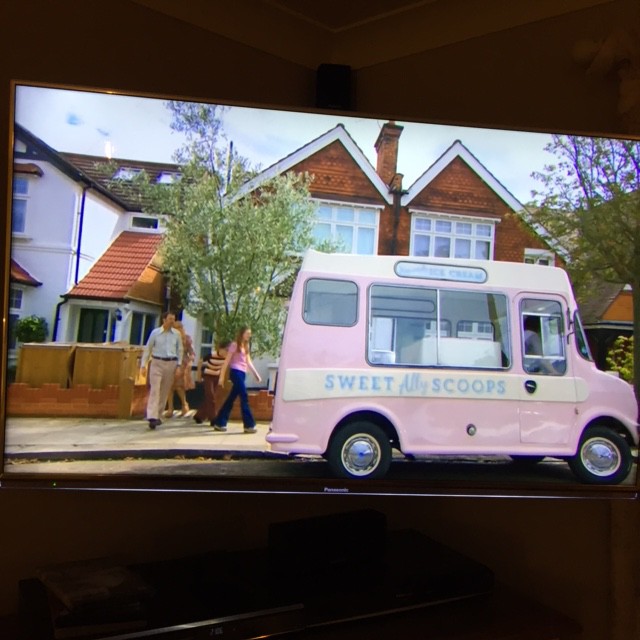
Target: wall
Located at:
point(579, 555)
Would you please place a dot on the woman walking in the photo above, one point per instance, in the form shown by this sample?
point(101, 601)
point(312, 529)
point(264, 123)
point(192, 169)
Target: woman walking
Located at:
point(236, 363)
point(183, 380)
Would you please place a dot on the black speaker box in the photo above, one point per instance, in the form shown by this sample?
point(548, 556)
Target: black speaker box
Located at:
point(333, 87)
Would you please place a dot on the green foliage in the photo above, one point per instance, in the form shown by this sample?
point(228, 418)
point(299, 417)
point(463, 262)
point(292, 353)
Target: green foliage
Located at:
point(31, 329)
point(230, 251)
point(226, 256)
point(590, 206)
point(620, 357)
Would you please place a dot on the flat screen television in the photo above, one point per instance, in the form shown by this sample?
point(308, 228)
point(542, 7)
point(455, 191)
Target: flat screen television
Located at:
point(404, 367)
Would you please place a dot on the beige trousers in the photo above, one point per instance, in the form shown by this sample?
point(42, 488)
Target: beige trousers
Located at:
point(161, 375)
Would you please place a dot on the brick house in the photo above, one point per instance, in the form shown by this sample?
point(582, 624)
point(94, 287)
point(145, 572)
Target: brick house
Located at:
point(456, 208)
point(606, 314)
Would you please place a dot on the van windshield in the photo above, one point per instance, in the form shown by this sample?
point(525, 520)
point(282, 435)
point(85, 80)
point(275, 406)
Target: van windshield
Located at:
point(581, 340)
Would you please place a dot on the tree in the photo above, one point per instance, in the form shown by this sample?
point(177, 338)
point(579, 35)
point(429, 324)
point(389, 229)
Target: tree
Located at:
point(590, 205)
point(227, 249)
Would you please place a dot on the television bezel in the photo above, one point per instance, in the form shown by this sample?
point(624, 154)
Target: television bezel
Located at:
point(263, 484)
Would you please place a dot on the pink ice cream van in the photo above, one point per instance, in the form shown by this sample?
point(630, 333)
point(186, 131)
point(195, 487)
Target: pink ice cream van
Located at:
point(440, 356)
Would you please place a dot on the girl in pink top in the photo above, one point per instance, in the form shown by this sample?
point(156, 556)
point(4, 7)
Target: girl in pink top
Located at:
point(236, 363)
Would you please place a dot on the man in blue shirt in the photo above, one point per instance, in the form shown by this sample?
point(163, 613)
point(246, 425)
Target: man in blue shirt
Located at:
point(164, 349)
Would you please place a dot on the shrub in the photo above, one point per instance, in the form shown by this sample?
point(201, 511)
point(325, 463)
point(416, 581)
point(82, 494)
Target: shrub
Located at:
point(620, 357)
point(31, 329)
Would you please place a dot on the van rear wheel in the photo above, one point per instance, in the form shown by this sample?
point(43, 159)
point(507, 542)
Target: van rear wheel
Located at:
point(603, 457)
point(359, 450)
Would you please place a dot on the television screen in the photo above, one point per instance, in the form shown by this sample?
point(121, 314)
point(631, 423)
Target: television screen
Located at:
point(227, 297)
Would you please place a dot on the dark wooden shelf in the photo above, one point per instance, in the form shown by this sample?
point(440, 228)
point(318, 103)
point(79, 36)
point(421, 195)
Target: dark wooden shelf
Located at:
point(500, 615)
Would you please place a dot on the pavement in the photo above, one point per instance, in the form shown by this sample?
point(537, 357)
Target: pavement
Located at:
point(99, 438)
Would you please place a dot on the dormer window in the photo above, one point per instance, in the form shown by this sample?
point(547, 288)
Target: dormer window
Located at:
point(143, 222)
point(539, 256)
point(127, 173)
point(167, 177)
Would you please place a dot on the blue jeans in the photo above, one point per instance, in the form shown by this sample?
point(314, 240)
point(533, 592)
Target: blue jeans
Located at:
point(239, 389)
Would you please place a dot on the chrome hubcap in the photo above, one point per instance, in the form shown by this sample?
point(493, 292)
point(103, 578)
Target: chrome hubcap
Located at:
point(600, 457)
point(360, 454)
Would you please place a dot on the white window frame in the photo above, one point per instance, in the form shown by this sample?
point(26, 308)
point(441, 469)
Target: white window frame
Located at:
point(206, 346)
point(334, 222)
point(453, 219)
point(127, 174)
point(24, 197)
point(14, 310)
point(143, 227)
point(540, 256)
point(168, 177)
point(474, 330)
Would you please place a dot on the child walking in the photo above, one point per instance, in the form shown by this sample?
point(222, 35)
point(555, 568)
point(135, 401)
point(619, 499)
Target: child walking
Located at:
point(211, 369)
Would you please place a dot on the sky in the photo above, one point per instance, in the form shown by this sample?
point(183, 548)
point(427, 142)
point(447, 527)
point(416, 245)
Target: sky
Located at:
point(138, 128)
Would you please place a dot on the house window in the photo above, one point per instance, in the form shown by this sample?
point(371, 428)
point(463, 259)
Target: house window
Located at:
point(206, 343)
point(15, 306)
point(141, 326)
point(127, 173)
point(95, 326)
point(433, 236)
point(167, 177)
point(354, 228)
point(539, 256)
point(140, 222)
point(19, 206)
point(15, 298)
point(475, 330)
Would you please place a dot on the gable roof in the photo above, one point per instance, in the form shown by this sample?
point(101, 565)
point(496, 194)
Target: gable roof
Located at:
point(458, 150)
point(600, 297)
point(119, 270)
point(99, 169)
point(338, 133)
point(20, 275)
point(40, 150)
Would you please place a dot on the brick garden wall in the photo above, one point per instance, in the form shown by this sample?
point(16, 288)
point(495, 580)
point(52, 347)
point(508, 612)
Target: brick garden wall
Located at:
point(51, 399)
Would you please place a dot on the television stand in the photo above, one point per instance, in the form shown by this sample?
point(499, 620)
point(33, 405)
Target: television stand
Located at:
point(501, 615)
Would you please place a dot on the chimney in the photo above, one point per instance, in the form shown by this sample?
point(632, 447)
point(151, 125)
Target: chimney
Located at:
point(387, 150)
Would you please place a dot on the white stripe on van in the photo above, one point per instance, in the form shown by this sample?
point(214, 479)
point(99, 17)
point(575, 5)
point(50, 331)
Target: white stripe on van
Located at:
point(324, 384)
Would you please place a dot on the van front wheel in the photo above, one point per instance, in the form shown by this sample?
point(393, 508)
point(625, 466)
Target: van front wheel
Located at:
point(360, 450)
point(603, 457)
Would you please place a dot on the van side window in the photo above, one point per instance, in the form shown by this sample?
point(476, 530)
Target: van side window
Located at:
point(413, 326)
point(542, 337)
point(330, 302)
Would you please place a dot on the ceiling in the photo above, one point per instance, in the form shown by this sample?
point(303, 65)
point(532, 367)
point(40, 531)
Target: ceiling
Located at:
point(358, 33)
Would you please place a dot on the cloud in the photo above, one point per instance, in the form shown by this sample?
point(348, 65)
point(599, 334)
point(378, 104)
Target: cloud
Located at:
point(74, 119)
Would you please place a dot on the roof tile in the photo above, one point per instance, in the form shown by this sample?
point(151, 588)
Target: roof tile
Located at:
point(119, 268)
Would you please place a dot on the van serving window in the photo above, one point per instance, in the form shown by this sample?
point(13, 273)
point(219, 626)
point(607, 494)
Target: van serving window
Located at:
point(433, 271)
point(330, 302)
point(411, 326)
